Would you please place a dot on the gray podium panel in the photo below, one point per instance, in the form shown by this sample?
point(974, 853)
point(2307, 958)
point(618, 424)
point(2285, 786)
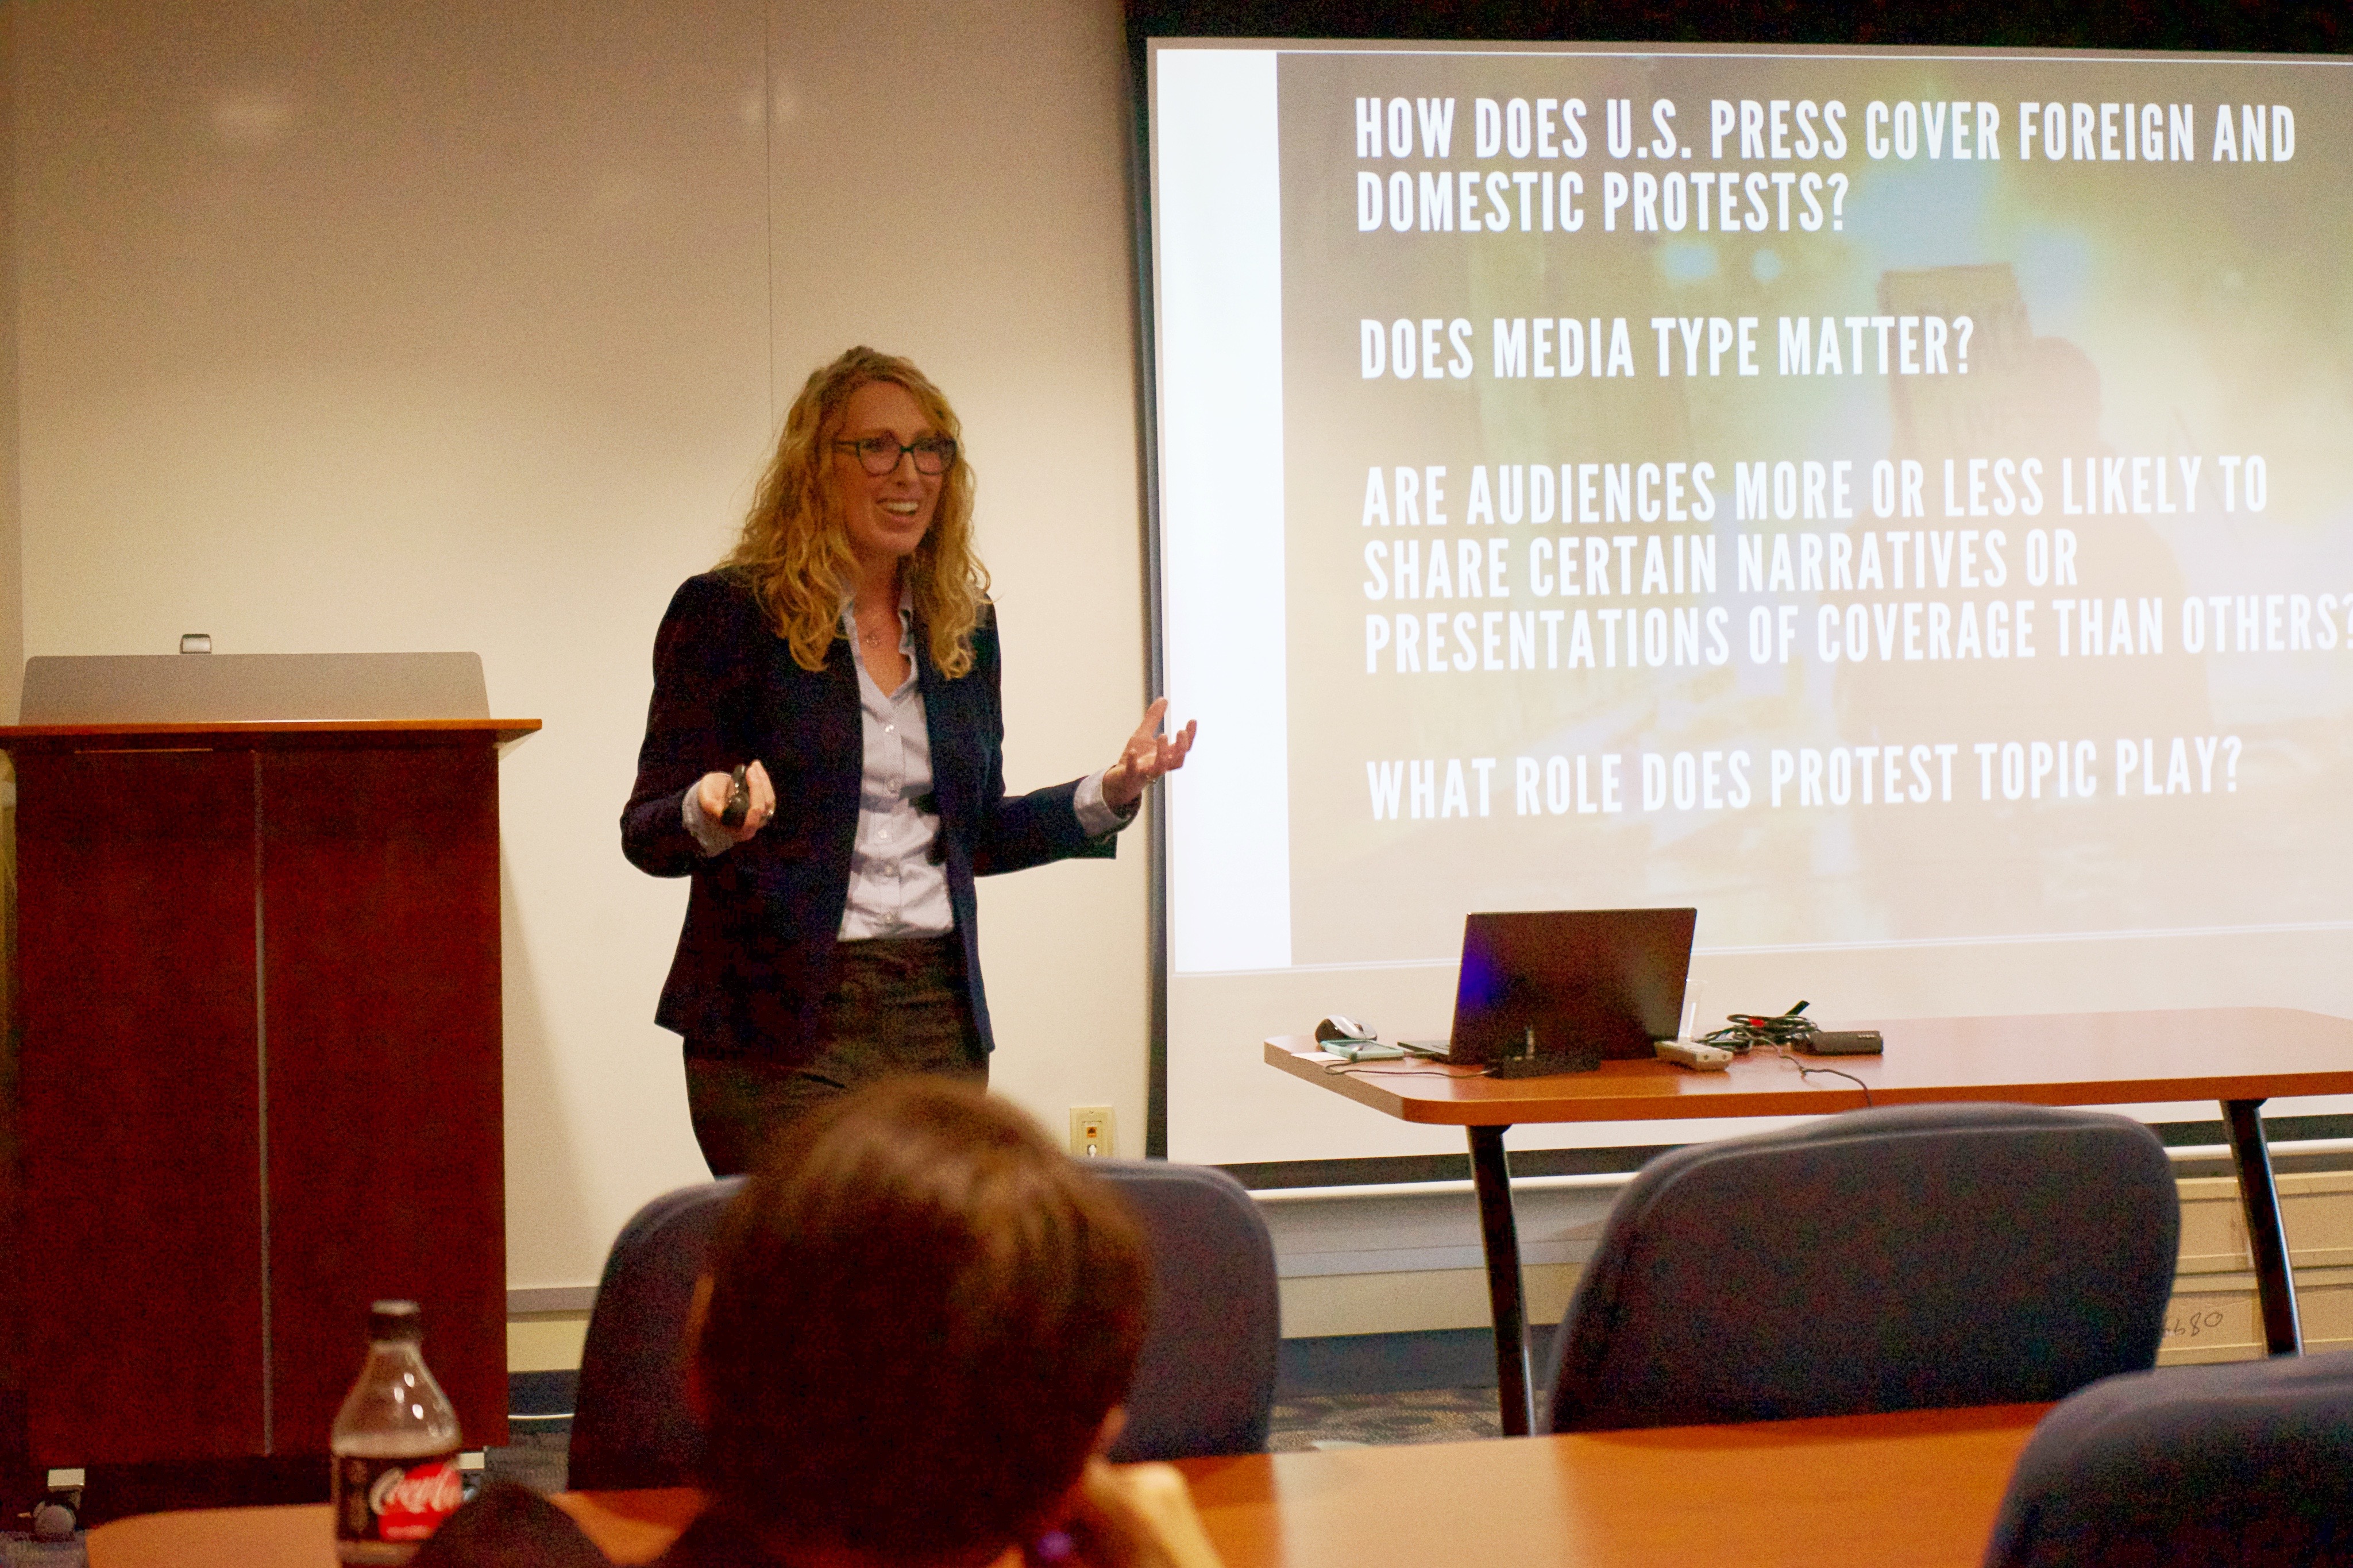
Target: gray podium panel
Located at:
point(253, 688)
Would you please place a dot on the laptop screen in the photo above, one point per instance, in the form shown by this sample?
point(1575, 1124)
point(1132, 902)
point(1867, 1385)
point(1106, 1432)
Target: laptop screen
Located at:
point(1611, 977)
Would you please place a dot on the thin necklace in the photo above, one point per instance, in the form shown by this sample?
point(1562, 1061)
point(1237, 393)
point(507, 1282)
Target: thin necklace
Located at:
point(873, 639)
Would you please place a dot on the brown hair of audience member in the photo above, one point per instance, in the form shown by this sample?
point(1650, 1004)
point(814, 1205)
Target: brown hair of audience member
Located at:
point(920, 1312)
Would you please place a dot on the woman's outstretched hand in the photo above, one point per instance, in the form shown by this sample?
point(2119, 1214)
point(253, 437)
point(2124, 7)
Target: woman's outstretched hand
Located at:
point(1147, 755)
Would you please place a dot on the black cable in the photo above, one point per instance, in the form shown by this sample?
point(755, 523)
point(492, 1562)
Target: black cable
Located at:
point(1805, 1072)
point(1781, 1033)
point(1744, 1032)
point(1370, 1071)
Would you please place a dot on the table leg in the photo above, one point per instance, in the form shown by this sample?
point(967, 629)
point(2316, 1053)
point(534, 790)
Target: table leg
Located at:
point(2275, 1284)
point(1490, 1174)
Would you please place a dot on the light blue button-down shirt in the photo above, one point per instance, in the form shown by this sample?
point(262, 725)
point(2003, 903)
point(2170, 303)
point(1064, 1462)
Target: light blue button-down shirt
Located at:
point(895, 887)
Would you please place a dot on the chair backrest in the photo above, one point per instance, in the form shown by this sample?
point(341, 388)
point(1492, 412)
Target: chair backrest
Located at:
point(1907, 1258)
point(1204, 1382)
point(630, 1423)
point(2188, 1467)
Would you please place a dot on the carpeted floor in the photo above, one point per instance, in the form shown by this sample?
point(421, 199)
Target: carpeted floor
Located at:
point(1353, 1420)
point(536, 1455)
point(1348, 1392)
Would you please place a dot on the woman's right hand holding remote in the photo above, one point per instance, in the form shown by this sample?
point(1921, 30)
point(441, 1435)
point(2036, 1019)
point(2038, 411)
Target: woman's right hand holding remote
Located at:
point(711, 794)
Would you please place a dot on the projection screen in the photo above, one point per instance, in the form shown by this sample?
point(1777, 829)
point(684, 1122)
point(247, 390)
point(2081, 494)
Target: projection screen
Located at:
point(1896, 502)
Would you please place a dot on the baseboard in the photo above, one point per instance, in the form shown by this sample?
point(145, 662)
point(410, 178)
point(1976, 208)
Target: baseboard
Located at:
point(1396, 1363)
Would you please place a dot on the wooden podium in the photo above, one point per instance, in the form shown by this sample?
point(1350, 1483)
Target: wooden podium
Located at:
point(258, 1079)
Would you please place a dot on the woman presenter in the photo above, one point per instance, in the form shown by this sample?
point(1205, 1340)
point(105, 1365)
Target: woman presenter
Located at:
point(823, 758)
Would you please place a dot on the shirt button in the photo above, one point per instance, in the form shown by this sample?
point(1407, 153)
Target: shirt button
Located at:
point(890, 729)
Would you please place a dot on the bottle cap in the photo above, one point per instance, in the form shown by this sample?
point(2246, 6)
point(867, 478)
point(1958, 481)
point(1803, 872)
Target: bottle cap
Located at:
point(396, 1320)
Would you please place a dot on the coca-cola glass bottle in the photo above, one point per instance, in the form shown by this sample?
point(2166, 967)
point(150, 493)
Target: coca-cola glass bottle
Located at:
point(395, 1447)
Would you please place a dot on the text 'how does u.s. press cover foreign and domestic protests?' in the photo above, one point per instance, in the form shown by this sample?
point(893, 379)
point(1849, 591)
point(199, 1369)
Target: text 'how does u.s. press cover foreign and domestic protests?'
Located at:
point(1798, 459)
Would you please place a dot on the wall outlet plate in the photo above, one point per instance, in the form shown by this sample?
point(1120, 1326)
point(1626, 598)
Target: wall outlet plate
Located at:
point(1093, 1134)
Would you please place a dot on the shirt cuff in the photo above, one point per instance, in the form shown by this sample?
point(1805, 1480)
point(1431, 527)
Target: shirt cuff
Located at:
point(708, 836)
point(1096, 814)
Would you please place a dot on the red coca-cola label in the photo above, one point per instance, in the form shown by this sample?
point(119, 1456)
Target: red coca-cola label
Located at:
point(394, 1499)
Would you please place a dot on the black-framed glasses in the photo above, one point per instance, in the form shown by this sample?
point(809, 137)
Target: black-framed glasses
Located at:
point(878, 455)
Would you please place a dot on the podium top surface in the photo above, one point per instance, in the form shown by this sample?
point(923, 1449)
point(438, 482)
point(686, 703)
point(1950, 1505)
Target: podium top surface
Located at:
point(250, 693)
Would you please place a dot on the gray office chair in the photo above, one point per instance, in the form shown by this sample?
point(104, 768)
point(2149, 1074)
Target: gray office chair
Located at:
point(2188, 1468)
point(1907, 1258)
point(630, 1424)
point(1203, 1383)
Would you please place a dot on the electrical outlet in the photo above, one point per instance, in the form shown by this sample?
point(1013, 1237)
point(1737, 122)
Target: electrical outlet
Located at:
point(1092, 1131)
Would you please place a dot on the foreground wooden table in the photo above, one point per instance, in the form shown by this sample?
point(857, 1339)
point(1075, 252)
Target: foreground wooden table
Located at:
point(631, 1527)
point(2238, 1057)
point(1918, 1489)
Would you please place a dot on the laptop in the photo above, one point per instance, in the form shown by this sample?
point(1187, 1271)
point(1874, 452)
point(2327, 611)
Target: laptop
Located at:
point(1554, 991)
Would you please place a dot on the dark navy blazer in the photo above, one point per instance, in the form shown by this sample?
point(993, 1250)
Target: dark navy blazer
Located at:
point(756, 961)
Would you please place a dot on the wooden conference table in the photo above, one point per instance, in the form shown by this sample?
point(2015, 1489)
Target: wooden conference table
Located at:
point(2238, 1057)
point(1920, 1488)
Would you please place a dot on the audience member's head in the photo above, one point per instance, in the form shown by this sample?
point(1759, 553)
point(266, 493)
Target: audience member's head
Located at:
point(920, 1315)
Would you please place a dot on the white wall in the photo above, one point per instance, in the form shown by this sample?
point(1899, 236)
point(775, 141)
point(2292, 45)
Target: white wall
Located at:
point(11, 596)
point(466, 325)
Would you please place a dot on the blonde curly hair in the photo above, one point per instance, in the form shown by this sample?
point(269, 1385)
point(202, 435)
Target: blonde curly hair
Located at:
point(795, 547)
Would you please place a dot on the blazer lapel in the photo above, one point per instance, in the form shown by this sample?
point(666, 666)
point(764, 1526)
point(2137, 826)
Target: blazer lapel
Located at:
point(814, 718)
point(947, 719)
